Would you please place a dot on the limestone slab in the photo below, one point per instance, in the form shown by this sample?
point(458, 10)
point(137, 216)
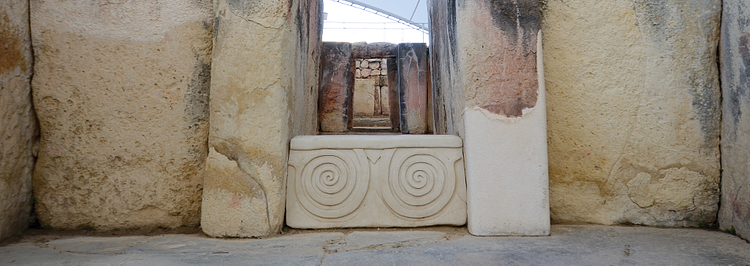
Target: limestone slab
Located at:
point(121, 92)
point(18, 129)
point(633, 111)
point(412, 77)
point(375, 181)
point(263, 92)
point(337, 88)
point(735, 129)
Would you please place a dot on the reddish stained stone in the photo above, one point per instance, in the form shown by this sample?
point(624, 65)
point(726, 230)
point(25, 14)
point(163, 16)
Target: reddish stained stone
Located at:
point(336, 87)
point(510, 83)
point(412, 86)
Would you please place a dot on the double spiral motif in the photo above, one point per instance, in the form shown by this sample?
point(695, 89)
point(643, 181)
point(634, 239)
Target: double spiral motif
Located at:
point(330, 184)
point(419, 184)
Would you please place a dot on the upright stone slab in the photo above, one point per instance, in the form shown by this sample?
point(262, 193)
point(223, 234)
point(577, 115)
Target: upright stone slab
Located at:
point(263, 93)
point(335, 106)
point(504, 117)
point(18, 130)
point(735, 133)
point(393, 98)
point(121, 91)
point(633, 97)
point(412, 78)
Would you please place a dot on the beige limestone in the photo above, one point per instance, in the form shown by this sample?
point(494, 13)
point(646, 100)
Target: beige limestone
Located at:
point(18, 129)
point(364, 96)
point(633, 111)
point(375, 181)
point(121, 91)
point(263, 93)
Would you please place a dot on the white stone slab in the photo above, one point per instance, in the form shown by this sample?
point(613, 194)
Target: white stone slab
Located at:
point(506, 170)
point(375, 181)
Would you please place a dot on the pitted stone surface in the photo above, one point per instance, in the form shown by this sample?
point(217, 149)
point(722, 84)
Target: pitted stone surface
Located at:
point(735, 138)
point(18, 129)
point(633, 106)
point(264, 84)
point(375, 181)
point(121, 92)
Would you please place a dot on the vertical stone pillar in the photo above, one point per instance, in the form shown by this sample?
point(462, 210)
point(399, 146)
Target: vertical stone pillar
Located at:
point(412, 87)
point(504, 117)
point(393, 98)
point(121, 92)
point(335, 106)
point(18, 130)
point(735, 133)
point(263, 93)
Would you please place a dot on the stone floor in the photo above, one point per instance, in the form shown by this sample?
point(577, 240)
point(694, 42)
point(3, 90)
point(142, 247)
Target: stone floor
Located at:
point(568, 245)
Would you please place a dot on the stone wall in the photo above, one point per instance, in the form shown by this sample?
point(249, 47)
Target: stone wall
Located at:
point(371, 87)
point(18, 128)
point(263, 93)
point(633, 111)
point(735, 134)
point(121, 92)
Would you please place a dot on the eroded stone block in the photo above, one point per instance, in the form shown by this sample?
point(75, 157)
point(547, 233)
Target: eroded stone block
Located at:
point(375, 181)
point(121, 91)
point(18, 129)
point(648, 141)
point(412, 87)
point(336, 87)
point(735, 139)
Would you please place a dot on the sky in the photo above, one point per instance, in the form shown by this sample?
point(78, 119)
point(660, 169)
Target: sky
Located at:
point(350, 24)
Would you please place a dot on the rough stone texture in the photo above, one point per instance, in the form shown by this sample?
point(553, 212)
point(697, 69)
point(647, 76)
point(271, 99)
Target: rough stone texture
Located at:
point(121, 91)
point(568, 245)
point(363, 50)
point(633, 111)
point(504, 118)
point(376, 181)
point(448, 94)
point(412, 77)
point(393, 104)
point(735, 128)
point(364, 97)
point(18, 129)
point(337, 87)
point(263, 93)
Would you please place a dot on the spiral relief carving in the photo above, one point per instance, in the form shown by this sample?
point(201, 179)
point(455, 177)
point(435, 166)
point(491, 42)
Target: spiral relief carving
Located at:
point(419, 185)
point(332, 184)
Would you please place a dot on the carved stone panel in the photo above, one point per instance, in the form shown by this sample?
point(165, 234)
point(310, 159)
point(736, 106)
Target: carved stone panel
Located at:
point(375, 181)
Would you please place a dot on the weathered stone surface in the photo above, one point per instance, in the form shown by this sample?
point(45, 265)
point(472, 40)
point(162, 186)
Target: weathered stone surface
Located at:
point(412, 77)
point(393, 97)
point(121, 91)
point(364, 97)
point(375, 181)
point(445, 83)
point(263, 93)
point(18, 129)
point(504, 117)
point(363, 50)
point(337, 87)
point(633, 111)
point(735, 128)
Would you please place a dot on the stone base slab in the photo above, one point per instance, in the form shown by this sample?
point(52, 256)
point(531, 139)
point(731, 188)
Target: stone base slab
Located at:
point(375, 181)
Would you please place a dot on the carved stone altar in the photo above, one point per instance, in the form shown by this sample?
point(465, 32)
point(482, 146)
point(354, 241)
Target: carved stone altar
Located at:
point(375, 181)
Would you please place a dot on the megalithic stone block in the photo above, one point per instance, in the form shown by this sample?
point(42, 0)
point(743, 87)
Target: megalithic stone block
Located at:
point(504, 115)
point(393, 102)
point(335, 108)
point(412, 87)
point(735, 136)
